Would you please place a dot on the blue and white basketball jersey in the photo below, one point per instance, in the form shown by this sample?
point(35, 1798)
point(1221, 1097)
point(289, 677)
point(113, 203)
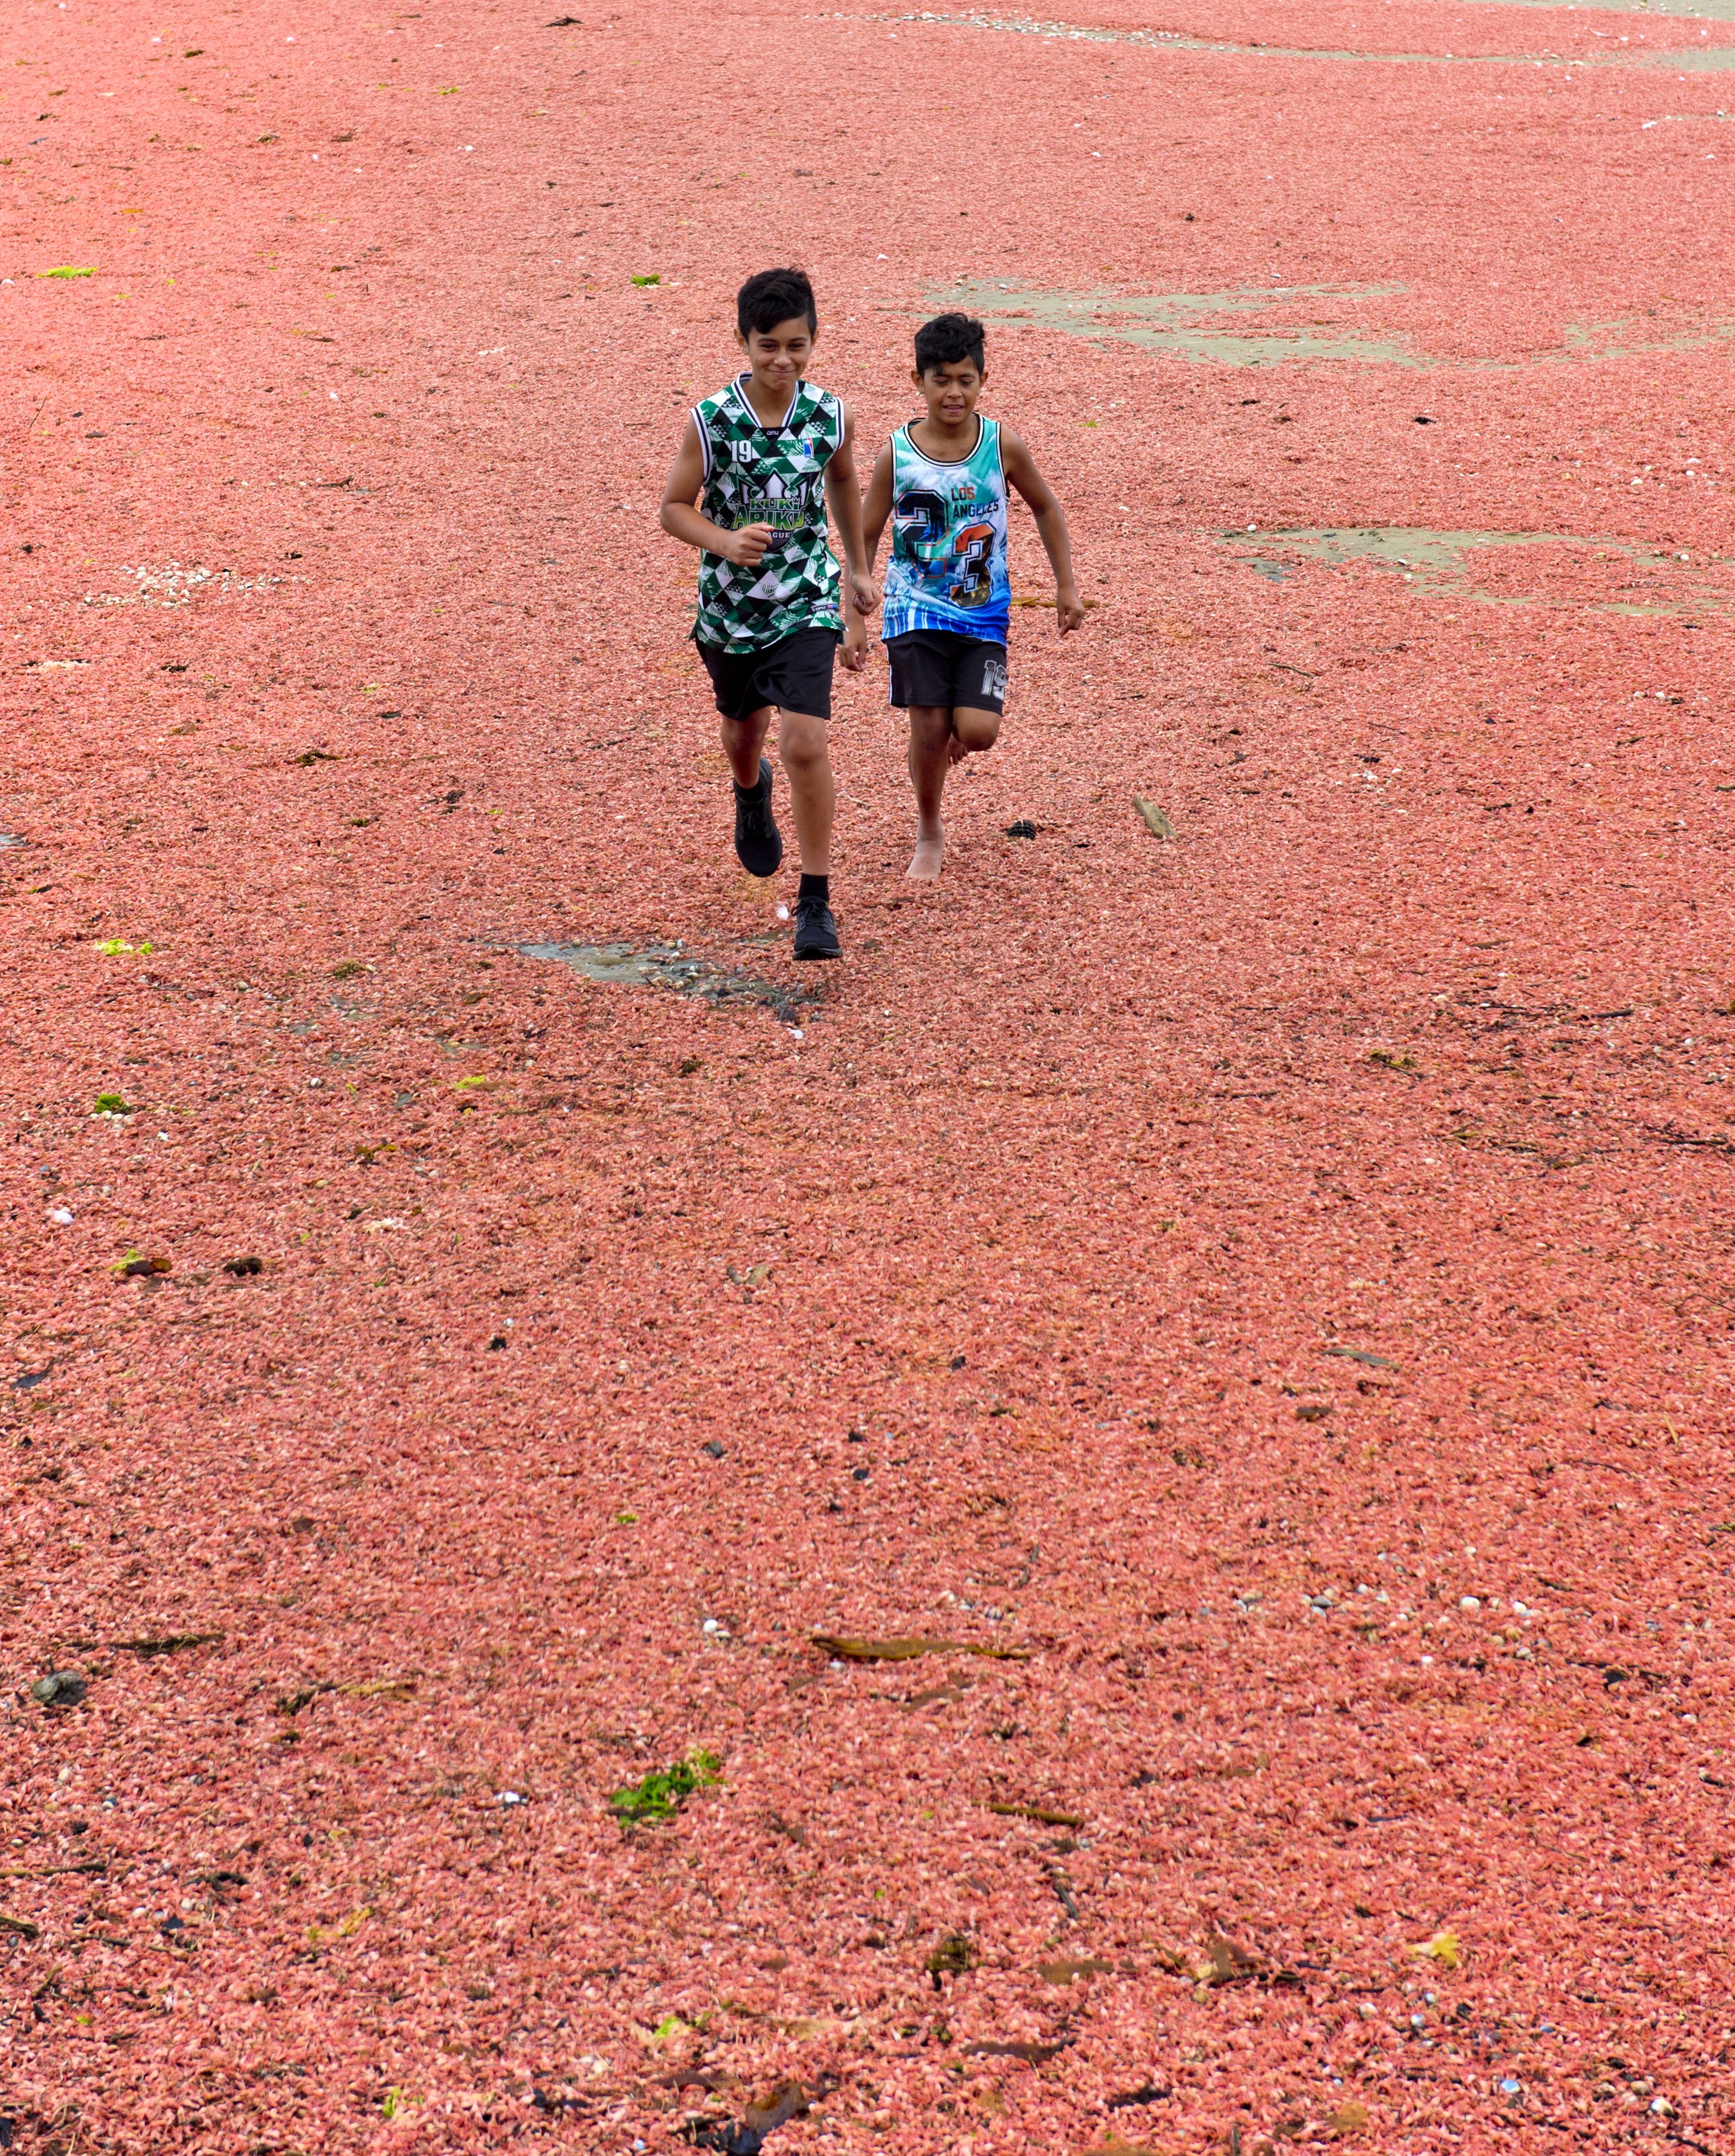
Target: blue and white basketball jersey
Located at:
point(948, 568)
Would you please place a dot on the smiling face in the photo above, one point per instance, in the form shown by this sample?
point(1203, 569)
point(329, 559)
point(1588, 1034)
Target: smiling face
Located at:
point(950, 389)
point(779, 357)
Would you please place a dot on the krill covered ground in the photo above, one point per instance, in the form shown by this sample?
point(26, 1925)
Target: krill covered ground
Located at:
point(506, 1371)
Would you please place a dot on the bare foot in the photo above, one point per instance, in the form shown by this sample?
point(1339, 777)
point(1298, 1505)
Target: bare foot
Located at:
point(956, 752)
point(925, 862)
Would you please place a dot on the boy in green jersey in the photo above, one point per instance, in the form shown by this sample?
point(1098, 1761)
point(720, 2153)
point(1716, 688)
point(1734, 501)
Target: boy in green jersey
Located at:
point(941, 481)
point(758, 466)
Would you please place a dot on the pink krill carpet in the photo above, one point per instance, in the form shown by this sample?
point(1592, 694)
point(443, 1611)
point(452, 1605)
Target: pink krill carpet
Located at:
point(1268, 1291)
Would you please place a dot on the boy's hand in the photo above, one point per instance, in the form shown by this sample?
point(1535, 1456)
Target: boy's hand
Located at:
point(854, 654)
point(1069, 609)
point(864, 594)
point(748, 544)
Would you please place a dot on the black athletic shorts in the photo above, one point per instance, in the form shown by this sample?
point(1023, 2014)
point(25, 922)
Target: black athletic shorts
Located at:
point(795, 674)
point(938, 666)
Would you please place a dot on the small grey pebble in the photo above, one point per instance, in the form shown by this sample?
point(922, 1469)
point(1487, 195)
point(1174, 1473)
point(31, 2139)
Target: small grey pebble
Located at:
point(714, 1449)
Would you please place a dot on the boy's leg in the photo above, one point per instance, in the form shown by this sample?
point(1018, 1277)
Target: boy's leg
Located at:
point(759, 844)
point(920, 685)
point(794, 679)
point(744, 710)
point(744, 743)
point(938, 739)
point(931, 739)
point(942, 735)
point(806, 759)
point(979, 694)
point(972, 731)
point(806, 755)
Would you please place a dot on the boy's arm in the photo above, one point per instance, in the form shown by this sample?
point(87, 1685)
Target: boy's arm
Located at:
point(842, 494)
point(1020, 468)
point(877, 508)
point(680, 518)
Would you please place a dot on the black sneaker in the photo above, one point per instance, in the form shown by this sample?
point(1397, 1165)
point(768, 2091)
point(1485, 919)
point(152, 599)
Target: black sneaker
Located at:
point(816, 933)
point(759, 844)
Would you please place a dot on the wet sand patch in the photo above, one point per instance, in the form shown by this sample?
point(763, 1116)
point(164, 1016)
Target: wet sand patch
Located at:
point(1180, 323)
point(1598, 575)
point(672, 966)
point(1704, 60)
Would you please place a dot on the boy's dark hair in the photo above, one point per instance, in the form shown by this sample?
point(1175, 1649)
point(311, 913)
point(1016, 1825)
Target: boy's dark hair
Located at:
point(774, 296)
point(946, 340)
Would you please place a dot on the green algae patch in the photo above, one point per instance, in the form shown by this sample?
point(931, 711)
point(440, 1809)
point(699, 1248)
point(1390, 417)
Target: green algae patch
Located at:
point(661, 1794)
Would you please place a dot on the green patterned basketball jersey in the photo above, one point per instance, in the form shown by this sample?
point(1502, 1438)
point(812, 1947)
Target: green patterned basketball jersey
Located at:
point(776, 475)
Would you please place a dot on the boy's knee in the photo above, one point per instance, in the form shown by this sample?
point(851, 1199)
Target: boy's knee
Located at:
point(802, 743)
point(977, 730)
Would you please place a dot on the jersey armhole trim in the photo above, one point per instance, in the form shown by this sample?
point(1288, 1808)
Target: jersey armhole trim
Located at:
point(704, 439)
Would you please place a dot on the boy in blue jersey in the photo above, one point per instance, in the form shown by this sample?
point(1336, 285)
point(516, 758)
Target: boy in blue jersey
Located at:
point(941, 481)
